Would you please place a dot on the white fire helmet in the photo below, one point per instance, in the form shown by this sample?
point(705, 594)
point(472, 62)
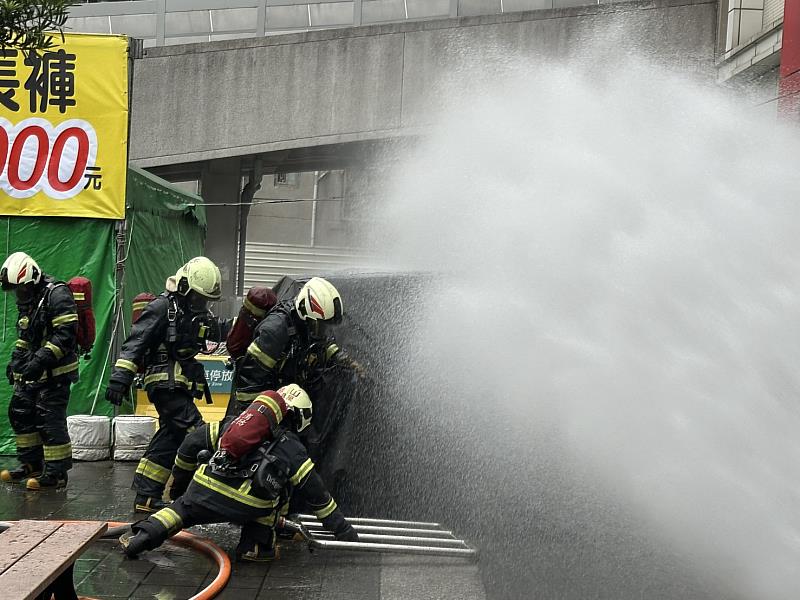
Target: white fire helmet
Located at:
point(297, 400)
point(19, 269)
point(199, 274)
point(319, 300)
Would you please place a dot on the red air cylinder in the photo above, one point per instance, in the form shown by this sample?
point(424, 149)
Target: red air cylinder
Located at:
point(258, 302)
point(81, 289)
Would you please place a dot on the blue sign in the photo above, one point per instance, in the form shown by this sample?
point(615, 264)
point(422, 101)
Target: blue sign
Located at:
point(219, 378)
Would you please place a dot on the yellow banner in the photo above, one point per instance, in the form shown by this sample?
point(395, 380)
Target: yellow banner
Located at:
point(64, 128)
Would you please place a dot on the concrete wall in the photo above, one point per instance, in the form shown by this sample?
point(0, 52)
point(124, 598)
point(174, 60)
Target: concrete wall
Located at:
point(240, 97)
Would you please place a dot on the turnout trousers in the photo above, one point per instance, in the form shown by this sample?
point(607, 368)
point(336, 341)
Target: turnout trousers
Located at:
point(186, 512)
point(177, 416)
point(38, 415)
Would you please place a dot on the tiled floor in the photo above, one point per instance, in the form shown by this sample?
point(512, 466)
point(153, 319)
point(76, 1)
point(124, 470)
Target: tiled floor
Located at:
point(101, 491)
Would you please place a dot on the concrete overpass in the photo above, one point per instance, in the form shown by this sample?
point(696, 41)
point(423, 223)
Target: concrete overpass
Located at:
point(331, 99)
point(245, 97)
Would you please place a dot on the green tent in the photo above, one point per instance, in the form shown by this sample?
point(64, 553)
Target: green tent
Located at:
point(165, 227)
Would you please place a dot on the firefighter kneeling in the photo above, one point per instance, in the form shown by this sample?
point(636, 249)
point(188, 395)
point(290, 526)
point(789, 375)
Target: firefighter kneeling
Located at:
point(252, 491)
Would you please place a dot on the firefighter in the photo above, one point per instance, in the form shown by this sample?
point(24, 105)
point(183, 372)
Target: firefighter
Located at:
point(165, 339)
point(43, 365)
point(234, 490)
point(287, 345)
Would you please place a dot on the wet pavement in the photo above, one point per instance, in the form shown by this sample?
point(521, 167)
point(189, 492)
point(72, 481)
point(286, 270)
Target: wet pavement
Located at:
point(101, 491)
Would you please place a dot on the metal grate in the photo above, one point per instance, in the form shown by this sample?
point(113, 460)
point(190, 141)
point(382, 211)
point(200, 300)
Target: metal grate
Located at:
point(386, 536)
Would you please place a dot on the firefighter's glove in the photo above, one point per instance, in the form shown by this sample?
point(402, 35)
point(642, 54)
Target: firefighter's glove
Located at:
point(33, 370)
point(221, 463)
point(116, 392)
point(348, 362)
point(347, 535)
point(10, 375)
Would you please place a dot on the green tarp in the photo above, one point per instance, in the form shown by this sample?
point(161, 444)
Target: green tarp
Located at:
point(63, 248)
point(166, 227)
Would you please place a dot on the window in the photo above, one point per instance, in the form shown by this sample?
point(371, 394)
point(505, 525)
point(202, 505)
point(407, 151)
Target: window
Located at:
point(287, 179)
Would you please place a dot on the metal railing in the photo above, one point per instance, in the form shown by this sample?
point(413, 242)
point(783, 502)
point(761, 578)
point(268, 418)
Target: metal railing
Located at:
point(165, 22)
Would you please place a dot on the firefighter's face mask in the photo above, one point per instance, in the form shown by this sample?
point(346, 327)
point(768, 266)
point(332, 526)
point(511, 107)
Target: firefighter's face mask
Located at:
point(25, 293)
point(196, 303)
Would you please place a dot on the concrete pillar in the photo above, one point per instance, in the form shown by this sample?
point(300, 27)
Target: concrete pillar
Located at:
point(789, 83)
point(221, 183)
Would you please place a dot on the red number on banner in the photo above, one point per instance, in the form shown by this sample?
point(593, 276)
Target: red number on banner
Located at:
point(42, 149)
point(81, 158)
point(3, 148)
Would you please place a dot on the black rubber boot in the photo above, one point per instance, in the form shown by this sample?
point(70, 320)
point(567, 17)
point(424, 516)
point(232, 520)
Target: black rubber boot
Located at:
point(50, 481)
point(23, 471)
point(258, 553)
point(133, 544)
point(148, 504)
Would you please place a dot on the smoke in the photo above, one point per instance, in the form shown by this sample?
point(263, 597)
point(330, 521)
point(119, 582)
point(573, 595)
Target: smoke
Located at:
point(617, 296)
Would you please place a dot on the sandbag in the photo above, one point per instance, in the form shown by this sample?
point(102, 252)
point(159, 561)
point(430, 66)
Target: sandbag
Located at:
point(90, 436)
point(132, 434)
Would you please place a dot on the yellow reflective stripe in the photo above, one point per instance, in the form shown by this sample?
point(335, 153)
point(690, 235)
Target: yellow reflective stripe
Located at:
point(151, 470)
point(326, 510)
point(268, 521)
point(169, 519)
point(331, 350)
point(217, 486)
point(140, 305)
point(78, 296)
point(58, 352)
point(261, 356)
point(156, 377)
point(65, 369)
point(213, 433)
point(246, 396)
point(185, 465)
point(28, 440)
point(128, 365)
point(62, 319)
point(57, 452)
point(258, 312)
point(304, 470)
point(22, 344)
point(272, 405)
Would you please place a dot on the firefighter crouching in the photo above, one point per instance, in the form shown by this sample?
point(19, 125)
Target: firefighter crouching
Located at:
point(285, 343)
point(43, 365)
point(165, 339)
point(252, 491)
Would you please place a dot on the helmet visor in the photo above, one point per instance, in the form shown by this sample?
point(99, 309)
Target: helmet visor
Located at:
point(303, 418)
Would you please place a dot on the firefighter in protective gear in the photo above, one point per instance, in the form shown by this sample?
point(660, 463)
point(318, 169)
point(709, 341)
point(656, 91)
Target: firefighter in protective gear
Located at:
point(169, 333)
point(286, 344)
point(218, 493)
point(43, 365)
point(258, 422)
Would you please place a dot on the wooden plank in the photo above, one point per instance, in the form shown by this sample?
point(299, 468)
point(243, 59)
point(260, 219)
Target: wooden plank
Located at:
point(29, 576)
point(21, 538)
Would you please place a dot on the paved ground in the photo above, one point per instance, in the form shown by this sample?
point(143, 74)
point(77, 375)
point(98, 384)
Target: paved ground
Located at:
point(101, 491)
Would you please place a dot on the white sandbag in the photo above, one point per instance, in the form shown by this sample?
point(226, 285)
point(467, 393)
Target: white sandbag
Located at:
point(90, 436)
point(132, 434)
